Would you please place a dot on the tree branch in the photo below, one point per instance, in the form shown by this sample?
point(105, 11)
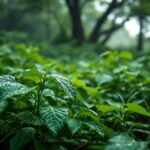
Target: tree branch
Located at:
point(111, 30)
point(69, 4)
point(101, 20)
point(114, 27)
point(83, 4)
point(121, 3)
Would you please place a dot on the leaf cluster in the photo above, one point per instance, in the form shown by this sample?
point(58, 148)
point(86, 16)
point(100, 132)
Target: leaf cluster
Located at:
point(101, 104)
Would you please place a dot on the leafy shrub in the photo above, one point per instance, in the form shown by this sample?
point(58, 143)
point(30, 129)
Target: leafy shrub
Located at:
point(103, 104)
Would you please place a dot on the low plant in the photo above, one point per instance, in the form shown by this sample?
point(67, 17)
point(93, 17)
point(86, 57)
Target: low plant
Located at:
point(100, 105)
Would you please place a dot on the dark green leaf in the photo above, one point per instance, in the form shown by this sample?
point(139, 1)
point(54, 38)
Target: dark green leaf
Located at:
point(96, 127)
point(89, 113)
point(29, 118)
point(9, 87)
point(54, 118)
point(22, 137)
point(74, 125)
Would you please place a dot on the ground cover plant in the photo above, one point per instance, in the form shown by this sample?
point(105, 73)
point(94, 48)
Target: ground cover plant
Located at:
point(101, 104)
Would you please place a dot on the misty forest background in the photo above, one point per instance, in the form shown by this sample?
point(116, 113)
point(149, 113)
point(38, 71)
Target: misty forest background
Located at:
point(64, 28)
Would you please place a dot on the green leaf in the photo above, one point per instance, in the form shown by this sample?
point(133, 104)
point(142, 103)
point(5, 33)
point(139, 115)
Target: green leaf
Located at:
point(29, 118)
point(5, 127)
point(74, 125)
point(108, 131)
point(7, 78)
point(96, 147)
point(126, 55)
point(125, 142)
point(22, 137)
point(138, 109)
point(9, 87)
point(3, 105)
point(78, 83)
point(39, 145)
point(96, 127)
point(54, 118)
point(120, 69)
point(104, 78)
point(107, 108)
point(92, 91)
point(49, 67)
point(49, 93)
point(65, 85)
point(57, 147)
point(89, 113)
point(33, 74)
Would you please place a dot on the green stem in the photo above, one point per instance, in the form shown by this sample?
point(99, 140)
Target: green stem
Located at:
point(40, 91)
point(38, 100)
point(123, 119)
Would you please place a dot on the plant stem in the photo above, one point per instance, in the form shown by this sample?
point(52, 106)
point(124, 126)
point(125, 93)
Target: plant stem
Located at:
point(38, 100)
point(40, 90)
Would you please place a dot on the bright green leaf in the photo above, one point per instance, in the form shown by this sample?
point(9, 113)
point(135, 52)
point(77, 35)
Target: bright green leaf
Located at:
point(33, 75)
point(126, 55)
point(107, 108)
point(79, 83)
point(138, 109)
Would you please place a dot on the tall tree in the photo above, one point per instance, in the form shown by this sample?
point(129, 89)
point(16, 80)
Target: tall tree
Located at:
point(141, 10)
point(75, 14)
point(140, 42)
point(102, 19)
point(75, 10)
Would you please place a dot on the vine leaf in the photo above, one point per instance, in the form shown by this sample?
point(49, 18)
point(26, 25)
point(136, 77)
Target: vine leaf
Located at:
point(66, 85)
point(9, 87)
point(54, 118)
point(22, 137)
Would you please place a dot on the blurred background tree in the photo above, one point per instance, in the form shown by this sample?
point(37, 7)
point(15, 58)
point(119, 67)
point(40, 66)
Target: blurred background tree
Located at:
point(141, 10)
point(80, 22)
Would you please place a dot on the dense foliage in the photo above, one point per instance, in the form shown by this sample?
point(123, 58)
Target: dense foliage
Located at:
point(102, 104)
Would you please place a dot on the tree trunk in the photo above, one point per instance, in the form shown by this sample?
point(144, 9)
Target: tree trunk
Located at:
point(100, 22)
point(77, 27)
point(75, 6)
point(140, 44)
